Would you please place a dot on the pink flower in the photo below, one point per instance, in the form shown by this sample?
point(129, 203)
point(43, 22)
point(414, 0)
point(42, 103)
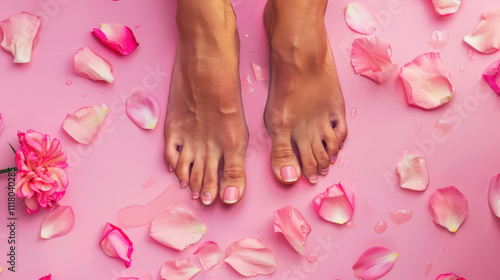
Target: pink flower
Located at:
point(40, 178)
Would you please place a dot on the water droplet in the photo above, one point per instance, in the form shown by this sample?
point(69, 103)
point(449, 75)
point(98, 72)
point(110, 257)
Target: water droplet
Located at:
point(444, 126)
point(461, 69)
point(246, 35)
point(349, 225)
point(271, 236)
point(470, 54)
point(259, 230)
point(354, 112)
point(417, 128)
point(428, 268)
point(137, 26)
point(69, 82)
point(102, 91)
point(443, 250)
point(261, 239)
point(250, 50)
point(400, 216)
point(341, 162)
point(484, 87)
point(312, 257)
point(380, 227)
point(84, 94)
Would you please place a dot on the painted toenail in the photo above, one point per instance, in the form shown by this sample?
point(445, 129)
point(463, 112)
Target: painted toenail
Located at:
point(196, 194)
point(207, 198)
point(231, 195)
point(324, 171)
point(333, 159)
point(313, 179)
point(184, 184)
point(289, 174)
point(170, 168)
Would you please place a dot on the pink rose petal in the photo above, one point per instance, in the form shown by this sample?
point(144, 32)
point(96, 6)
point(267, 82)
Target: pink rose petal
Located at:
point(261, 74)
point(92, 66)
point(492, 76)
point(336, 204)
point(83, 125)
point(360, 18)
point(290, 222)
point(494, 195)
point(58, 222)
point(449, 276)
point(177, 228)
point(48, 277)
point(374, 263)
point(249, 257)
point(448, 208)
point(438, 39)
point(446, 7)
point(115, 243)
point(412, 170)
point(427, 82)
point(371, 57)
point(210, 255)
point(20, 33)
point(116, 36)
point(143, 109)
point(486, 37)
point(178, 270)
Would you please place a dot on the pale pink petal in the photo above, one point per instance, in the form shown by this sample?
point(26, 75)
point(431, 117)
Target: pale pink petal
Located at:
point(116, 36)
point(178, 270)
point(115, 243)
point(336, 204)
point(58, 222)
point(438, 39)
point(494, 195)
point(427, 82)
point(92, 66)
point(371, 57)
point(360, 18)
point(449, 276)
point(294, 227)
point(20, 33)
point(448, 208)
point(413, 173)
point(261, 74)
point(143, 109)
point(446, 7)
point(249, 257)
point(492, 76)
point(374, 263)
point(177, 228)
point(210, 254)
point(48, 277)
point(83, 125)
point(486, 37)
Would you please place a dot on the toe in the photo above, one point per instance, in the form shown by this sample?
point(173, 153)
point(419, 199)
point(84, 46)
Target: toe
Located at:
point(210, 182)
point(196, 177)
point(321, 157)
point(171, 152)
point(340, 129)
point(309, 163)
point(332, 144)
point(283, 160)
point(183, 166)
point(233, 180)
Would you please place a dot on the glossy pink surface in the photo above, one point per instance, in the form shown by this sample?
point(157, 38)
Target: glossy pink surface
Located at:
point(108, 174)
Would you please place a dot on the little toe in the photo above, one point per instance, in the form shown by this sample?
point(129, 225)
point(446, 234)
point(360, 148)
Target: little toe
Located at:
point(309, 163)
point(233, 180)
point(183, 166)
point(210, 182)
point(283, 160)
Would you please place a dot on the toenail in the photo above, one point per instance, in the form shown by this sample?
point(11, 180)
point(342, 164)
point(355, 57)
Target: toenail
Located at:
point(196, 194)
point(313, 179)
point(184, 184)
point(289, 174)
point(207, 198)
point(324, 171)
point(170, 168)
point(231, 195)
point(333, 159)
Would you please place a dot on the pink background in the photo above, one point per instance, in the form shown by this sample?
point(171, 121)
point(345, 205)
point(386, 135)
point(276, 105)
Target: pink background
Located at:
point(107, 174)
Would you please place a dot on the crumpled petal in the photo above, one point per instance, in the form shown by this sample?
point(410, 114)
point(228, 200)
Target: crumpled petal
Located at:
point(58, 222)
point(336, 204)
point(448, 208)
point(427, 82)
point(116, 36)
point(413, 173)
point(115, 243)
point(83, 125)
point(294, 227)
point(178, 270)
point(177, 228)
point(438, 39)
point(486, 37)
point(20, 33)
point(374, 263)
point(92, 66)
point(261, 74)
point(250, 257)
point(360, 18)
point(494, 195)
point(446, 7)
point(48, 277)
point(210, 254)
point(371, 57)
point(449, 276)
point(143, 109)
point(492, 76)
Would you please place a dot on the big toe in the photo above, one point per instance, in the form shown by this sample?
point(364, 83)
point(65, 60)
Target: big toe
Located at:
point(233, 180)
point(283, 160)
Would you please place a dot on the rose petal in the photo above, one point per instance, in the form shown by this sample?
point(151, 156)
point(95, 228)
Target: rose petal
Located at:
point(20, 33)
point(294, 227)
point(446, 7)
point(494, 195)
point(48, 277)
point(58, 222)
point(210, 255)
point(115, 243)
point(143, 109)
point(178, 270)
point(249, 257)
point(448, 208)
point(336, 204)
point(492, 76)
point(116, 36)
point(374, 263)
point(412, 170)
point(486, 37)
point(371, 57)
point(360, 18)
point(83, 125)
point(177, 228)
point(449, 276)
point(261, 74)
point(427, 82)
point(438, 39)
point(92, 66)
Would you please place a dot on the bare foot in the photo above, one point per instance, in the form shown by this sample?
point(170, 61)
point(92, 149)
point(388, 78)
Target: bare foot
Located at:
point(205, 124)
point(305, 106)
